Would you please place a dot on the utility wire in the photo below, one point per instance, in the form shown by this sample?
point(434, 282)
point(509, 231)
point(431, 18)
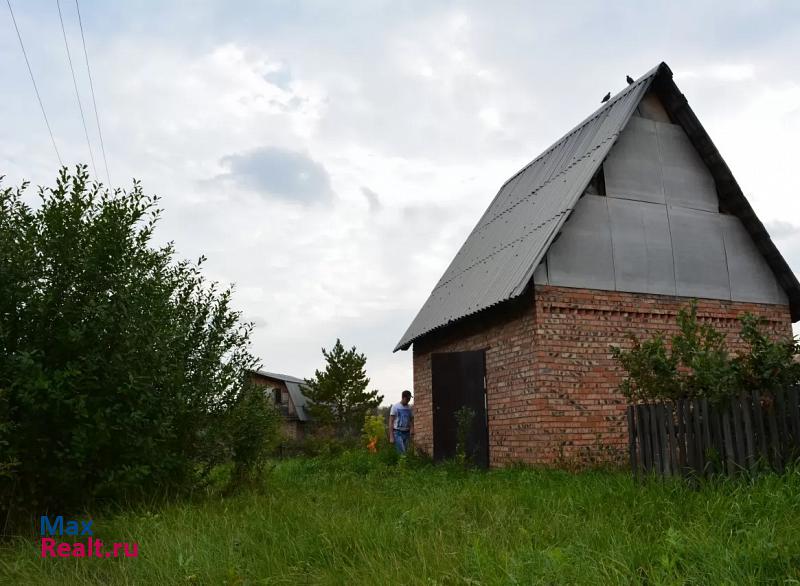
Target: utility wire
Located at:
point(35, 89)
point(75, 85)
point(91, 87)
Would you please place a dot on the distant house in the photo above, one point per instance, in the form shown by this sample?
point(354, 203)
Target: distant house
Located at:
point(611, 230)
point(287, 393)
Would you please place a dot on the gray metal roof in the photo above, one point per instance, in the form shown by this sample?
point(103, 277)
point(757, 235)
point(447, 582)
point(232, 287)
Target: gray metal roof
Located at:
point(295, 387)
point(283, 377)
point(299, 400)
point(498, 259)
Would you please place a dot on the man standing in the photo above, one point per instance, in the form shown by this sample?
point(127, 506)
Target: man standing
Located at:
point(401, 423)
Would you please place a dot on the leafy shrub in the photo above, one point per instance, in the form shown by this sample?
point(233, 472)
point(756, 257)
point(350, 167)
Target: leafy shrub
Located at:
point(121, 369)
point(253, 431)
point(316, 445)
point(769, 365)
point(374, 432)
point(697, 363)
point(652, 370)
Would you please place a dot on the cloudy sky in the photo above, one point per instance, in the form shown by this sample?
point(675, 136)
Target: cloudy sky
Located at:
point(329, 158)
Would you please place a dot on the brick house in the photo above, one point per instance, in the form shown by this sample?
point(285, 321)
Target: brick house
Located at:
point(287, 394)
point(611, 230)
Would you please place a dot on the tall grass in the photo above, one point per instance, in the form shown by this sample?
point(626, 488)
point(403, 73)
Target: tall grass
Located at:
point(354, 520)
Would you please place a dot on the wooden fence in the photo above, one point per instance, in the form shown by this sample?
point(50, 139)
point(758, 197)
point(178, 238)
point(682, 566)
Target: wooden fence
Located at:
point(693, 436)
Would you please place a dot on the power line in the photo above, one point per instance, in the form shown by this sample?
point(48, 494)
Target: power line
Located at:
point(35, 89)
point(91, 87)
point(75, 85)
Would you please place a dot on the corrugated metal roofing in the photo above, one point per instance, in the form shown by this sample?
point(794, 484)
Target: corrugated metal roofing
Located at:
point(497, 261)
point(298, 398)
point(278, 376)
point(295, 387)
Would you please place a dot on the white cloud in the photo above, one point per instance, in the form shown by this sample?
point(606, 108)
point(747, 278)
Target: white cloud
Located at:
point(726, 72)
point(411, 115)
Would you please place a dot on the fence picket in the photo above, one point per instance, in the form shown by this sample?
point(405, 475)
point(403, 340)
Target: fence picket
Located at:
point(700, 442)
point(632, 440)
point(774, 436)
point(669, 414)
point(693, 436)
point(738, 433)
point(727, 434)
point(746, 407)
point(682, 421)
point(655, 440)
point(644, 420)
point(758, 414)
point(781, 404)
point(662, 431)
point(717, 442)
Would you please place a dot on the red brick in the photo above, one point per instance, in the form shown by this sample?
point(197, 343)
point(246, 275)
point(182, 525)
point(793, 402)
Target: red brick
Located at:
point(549, 369)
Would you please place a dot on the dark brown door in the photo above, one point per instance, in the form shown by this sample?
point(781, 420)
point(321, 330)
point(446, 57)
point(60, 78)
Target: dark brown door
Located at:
point(458, 380)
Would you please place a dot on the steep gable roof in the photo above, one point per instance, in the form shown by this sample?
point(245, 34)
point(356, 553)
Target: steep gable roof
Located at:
point(498, 259)
point(295, 387)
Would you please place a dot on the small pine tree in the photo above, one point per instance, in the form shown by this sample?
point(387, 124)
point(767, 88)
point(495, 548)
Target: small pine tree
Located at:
point(339, 394)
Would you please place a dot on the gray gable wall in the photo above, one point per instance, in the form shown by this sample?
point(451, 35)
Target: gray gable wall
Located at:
point(659, 228)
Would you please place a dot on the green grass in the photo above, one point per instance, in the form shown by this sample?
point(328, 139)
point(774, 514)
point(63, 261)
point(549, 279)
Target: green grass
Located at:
point(353, 520)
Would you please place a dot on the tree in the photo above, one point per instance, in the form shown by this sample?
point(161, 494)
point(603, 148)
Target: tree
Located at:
point(339, 394)
point(120, 367)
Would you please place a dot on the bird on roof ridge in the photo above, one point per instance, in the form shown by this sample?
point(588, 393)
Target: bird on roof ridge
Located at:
point(629, 79)
point(606, 98)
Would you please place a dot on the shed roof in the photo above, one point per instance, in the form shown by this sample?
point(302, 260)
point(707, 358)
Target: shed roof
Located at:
point(498, 259)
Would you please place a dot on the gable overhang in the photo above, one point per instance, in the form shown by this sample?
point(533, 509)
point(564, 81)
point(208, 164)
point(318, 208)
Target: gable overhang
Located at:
point(731, 197)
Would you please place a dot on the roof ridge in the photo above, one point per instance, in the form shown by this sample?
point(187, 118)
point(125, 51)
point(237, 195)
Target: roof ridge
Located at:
point(603, 108)
point(511, 250)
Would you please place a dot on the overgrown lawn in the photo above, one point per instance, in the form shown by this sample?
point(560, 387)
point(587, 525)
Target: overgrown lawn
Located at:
point(353, 520)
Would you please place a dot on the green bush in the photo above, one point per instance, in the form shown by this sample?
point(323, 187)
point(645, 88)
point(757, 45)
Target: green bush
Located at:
point(697, 363)
point(253, 432)
point(121, 369)
point(373, 434)
point(314, 445)
point(769, 365)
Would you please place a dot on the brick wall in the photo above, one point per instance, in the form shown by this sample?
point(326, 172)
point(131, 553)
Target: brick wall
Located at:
point(551, 380)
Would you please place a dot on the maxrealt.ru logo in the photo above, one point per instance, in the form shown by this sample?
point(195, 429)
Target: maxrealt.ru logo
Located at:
point(92, 548)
